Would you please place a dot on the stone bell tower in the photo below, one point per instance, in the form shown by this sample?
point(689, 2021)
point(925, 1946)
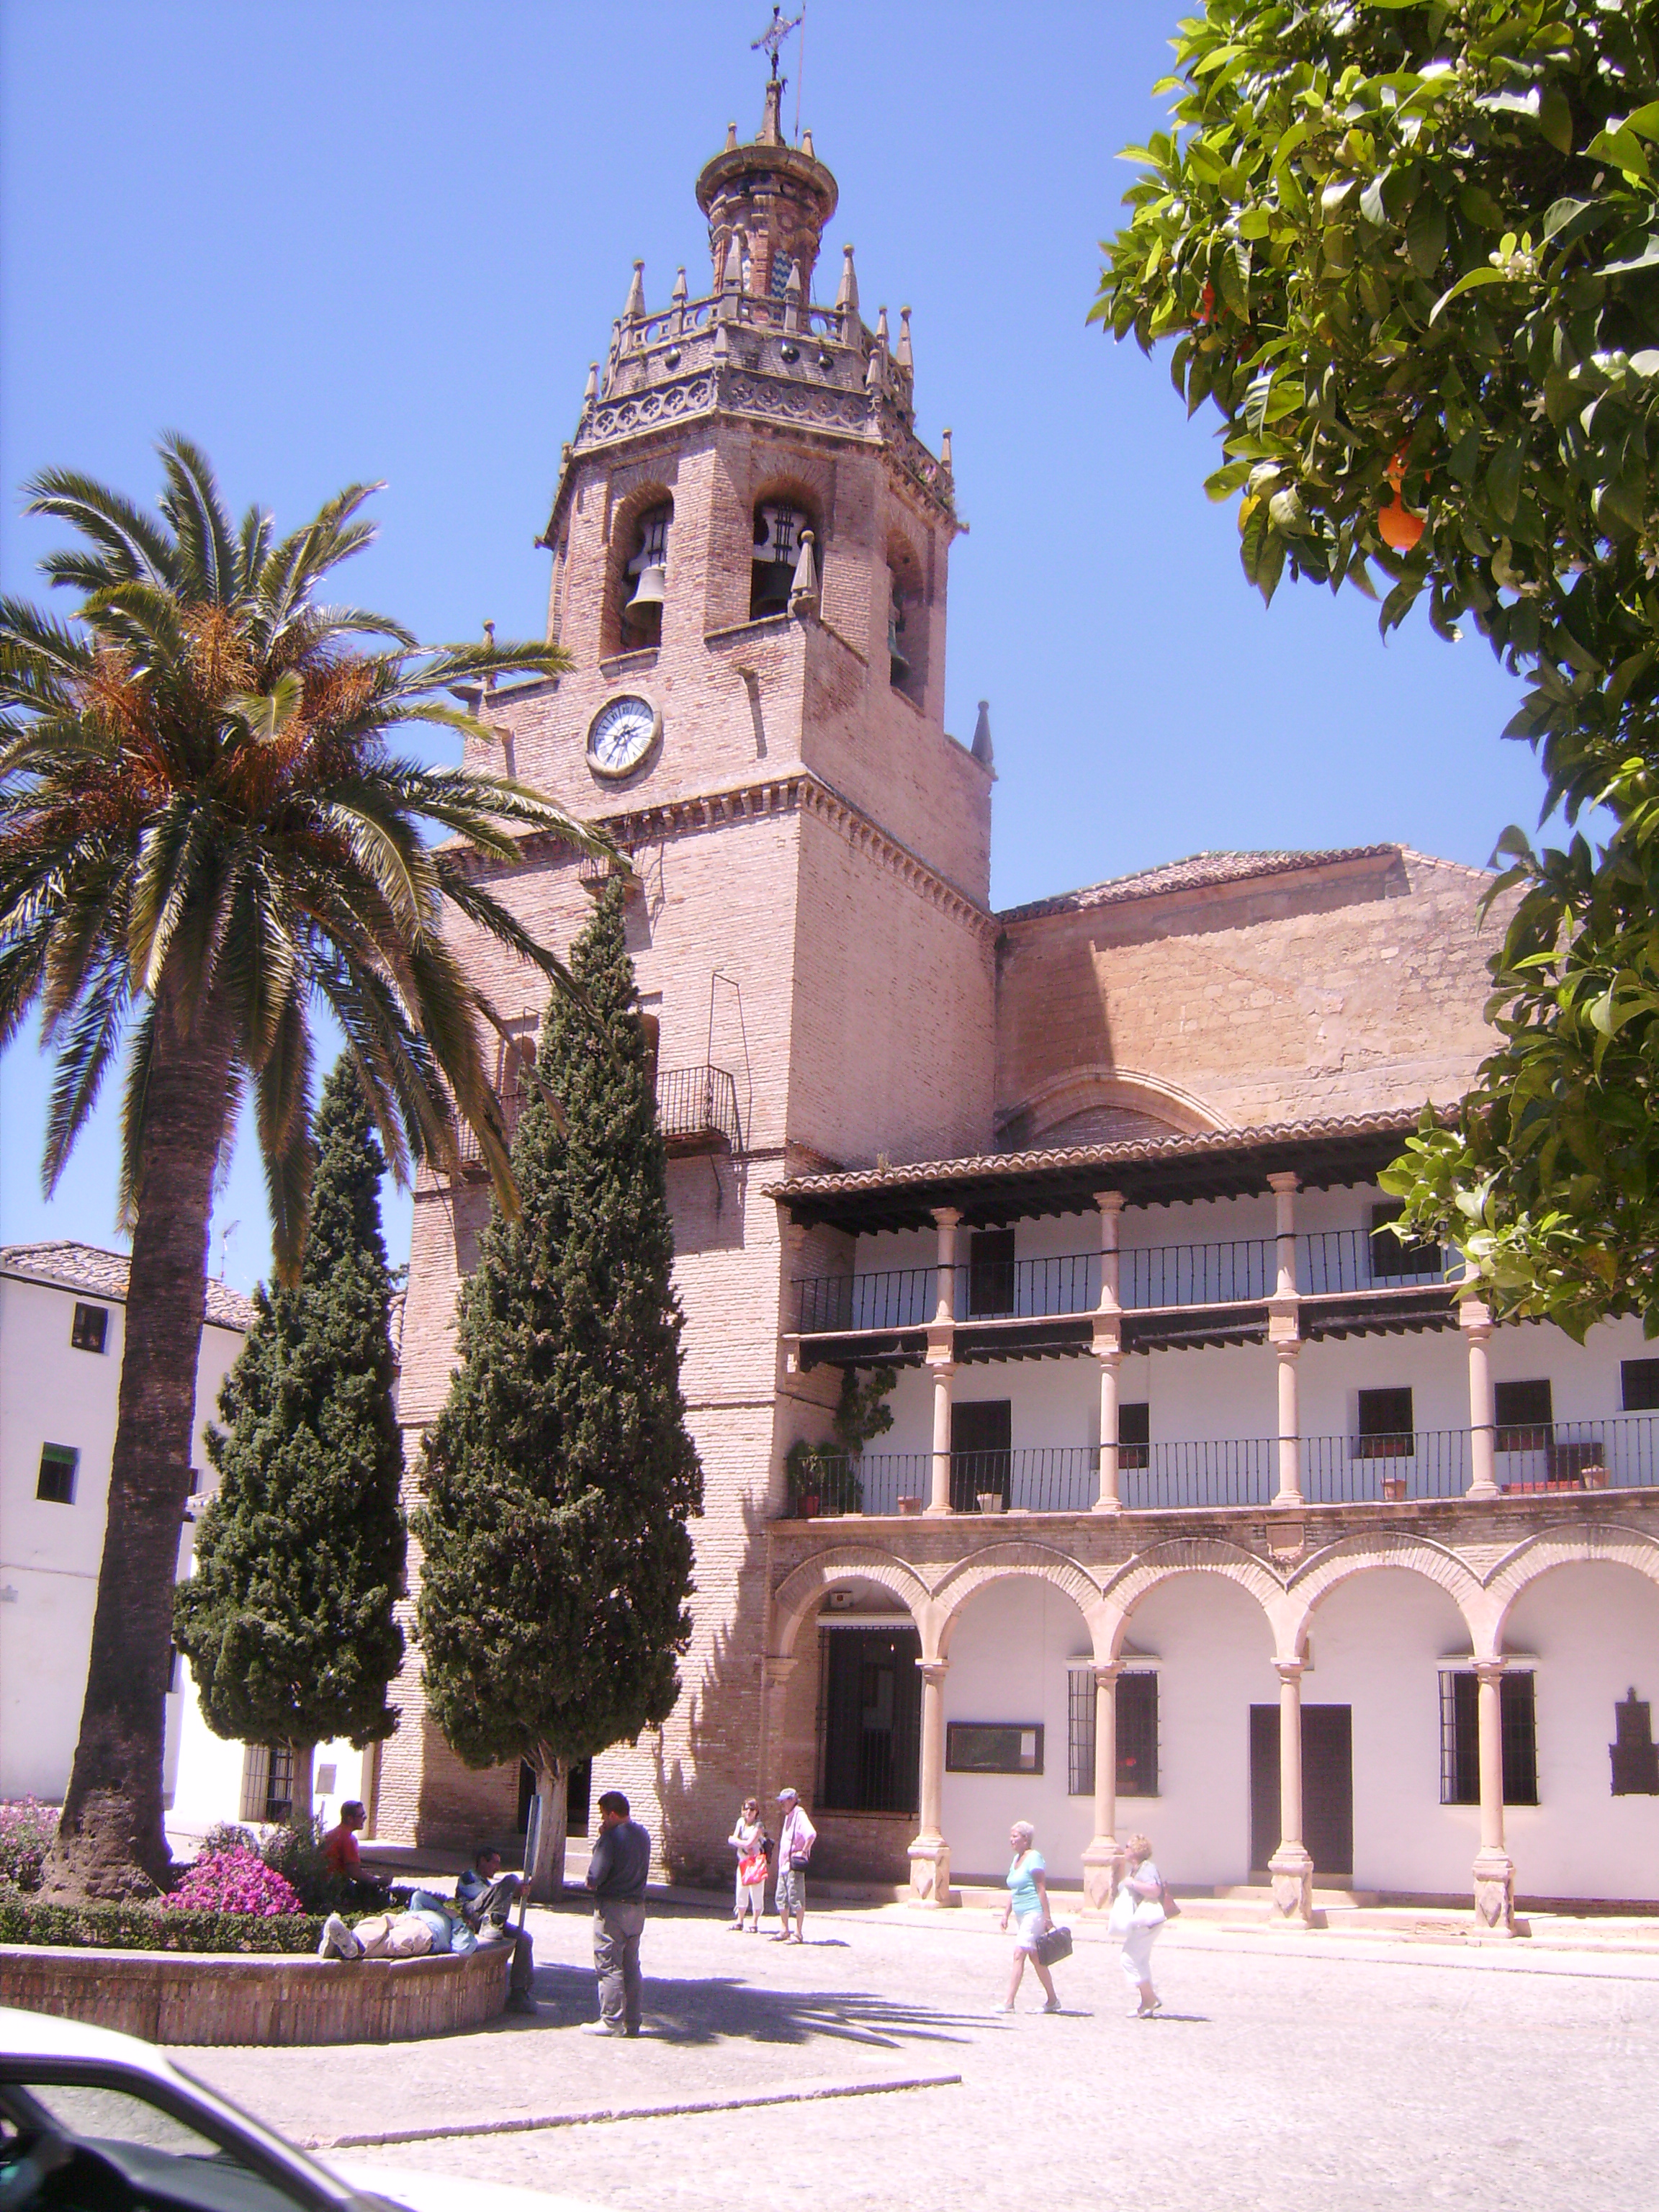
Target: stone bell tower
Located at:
point(750, 550)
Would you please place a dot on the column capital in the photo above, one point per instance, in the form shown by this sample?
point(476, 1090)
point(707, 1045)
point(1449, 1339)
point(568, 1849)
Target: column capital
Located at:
point(1491, 1670)
point(1285, 1327)
point(947, 1217)
point(1106, 1343)
point(1286, 1179)
point(1289, 1670)
point(1109, 1202)
point(934, 1671)
point(1107, 1671)
point(776, 1668)
point(940, 1359)
point(1474, 1318)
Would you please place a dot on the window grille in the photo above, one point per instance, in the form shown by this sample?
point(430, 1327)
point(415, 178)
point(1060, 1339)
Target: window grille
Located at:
point(1639, 1386)
point(1137, 1736)
point(256, 1779)
point(1460, 1738)
point(55, 1485)
point(1136, 1730)
point(89, 1328)
point(1081, 1733)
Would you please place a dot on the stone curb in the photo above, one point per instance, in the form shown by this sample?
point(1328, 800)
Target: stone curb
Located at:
point(818, 2093)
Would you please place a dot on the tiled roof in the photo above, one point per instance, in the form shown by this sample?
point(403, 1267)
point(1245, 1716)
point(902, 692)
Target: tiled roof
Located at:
point(89, 1268)
point(1195, 873)
point(1014, 1164)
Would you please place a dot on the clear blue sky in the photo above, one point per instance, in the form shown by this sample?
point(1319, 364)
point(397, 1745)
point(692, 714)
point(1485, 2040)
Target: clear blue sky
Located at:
point(340, 238)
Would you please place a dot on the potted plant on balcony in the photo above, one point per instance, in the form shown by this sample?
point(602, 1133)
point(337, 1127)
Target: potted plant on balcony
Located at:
point(825, 1478)
point(1394, 1488)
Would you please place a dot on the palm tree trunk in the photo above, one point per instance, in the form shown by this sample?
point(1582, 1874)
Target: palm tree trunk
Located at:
point(110, 1842)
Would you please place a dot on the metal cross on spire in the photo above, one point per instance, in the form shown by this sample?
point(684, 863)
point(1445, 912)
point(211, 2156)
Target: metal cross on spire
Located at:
point(771, 40)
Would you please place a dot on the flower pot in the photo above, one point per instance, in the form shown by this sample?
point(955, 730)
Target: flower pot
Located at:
point(992, 1501)
point(809, 1507)
point(1394, 1488)
point(909, 1505)
point(1592, 1477)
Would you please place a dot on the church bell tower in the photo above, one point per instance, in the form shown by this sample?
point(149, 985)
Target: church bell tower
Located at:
point(749, 547)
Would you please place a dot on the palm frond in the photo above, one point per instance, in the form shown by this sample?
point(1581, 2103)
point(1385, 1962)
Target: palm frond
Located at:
point(83, 1064)
point(32, 644)
point(134, 1105)
point(252, 543)
point(133, 543)
point(193, 505)
point(485, 910)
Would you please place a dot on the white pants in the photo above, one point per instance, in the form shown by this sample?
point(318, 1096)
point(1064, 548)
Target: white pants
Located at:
point(1137, 1960)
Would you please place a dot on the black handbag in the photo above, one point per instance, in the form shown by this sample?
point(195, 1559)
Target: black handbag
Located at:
point(1053, 1943)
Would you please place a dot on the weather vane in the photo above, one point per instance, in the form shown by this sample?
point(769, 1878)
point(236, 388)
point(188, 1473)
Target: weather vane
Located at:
point(771, 40)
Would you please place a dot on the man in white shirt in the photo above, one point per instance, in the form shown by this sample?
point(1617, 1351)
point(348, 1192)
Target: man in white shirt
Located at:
point(795, 1842)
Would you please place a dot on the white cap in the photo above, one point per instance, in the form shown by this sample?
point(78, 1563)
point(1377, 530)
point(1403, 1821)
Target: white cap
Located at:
point(783, 1793)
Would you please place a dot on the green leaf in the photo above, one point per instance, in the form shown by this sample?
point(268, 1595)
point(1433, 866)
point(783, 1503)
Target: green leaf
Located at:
point(1425, 234)
point(1555, 118)
point(1645, 260)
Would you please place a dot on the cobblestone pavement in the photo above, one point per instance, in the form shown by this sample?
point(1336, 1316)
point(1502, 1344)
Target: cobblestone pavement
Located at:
point(1282, 2075)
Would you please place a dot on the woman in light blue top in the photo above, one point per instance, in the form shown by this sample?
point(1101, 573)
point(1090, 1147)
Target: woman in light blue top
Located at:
point(1028, 1901)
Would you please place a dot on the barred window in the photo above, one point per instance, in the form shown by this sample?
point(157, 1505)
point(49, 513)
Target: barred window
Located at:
point(1459, 1739)
point(1137, 1734)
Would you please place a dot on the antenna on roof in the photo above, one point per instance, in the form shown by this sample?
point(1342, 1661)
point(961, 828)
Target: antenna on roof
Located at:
point(225, 1236)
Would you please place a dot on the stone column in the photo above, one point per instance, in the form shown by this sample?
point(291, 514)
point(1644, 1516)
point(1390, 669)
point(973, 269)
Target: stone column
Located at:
point(1494, 1870)
point(930, 1855)
point(942, 1371)
point(1100, 1860)
point(1474, 1319)
point(1290, 1867)
point(1109, 1358)
point(946, 1217)
point(1287, 1350)
point(775, 1671)
point(1110, 1203)
point(941, 1345)
point(1285, 1334)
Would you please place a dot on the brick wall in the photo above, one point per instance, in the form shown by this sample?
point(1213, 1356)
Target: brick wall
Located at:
point(1342, 990)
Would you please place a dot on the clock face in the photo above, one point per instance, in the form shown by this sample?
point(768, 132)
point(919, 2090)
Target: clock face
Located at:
point(621, 734)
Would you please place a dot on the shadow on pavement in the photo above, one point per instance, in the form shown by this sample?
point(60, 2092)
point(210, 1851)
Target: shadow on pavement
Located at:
point(710, 2008)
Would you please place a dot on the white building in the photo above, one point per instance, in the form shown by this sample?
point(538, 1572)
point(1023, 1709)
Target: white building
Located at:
point(63, 1326)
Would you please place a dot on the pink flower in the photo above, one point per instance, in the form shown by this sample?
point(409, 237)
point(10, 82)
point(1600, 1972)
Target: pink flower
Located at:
point(234, 1881)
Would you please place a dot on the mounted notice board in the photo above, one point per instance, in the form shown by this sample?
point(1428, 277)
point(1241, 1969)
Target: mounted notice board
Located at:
point(994, 1747)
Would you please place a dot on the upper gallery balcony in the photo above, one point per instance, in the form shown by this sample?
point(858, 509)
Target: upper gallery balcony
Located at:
point(1175, 1293)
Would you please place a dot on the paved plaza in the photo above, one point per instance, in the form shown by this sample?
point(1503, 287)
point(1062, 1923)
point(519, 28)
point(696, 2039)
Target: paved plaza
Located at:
point(1286, 2073)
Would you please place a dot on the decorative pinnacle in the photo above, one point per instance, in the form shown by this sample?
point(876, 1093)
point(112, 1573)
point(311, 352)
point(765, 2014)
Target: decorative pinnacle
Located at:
point(679, 294)
point(982, 745)
point(945, 448)
point(592, 391)
point(881, 327)
point(731, 138)
point(806, 581)
point(847, 298)
point(906, 359)
point(806, 146)
point(636, 306)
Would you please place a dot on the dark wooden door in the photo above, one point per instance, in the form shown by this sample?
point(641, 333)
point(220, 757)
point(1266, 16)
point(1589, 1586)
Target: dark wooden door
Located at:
point(1327, 1787)
point(981, 1455)
point(871, 1722)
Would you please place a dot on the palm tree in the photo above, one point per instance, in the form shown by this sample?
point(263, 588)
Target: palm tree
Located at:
point(202, 832)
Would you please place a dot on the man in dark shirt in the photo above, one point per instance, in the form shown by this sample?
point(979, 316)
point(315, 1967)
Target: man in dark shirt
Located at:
point(616, 1874)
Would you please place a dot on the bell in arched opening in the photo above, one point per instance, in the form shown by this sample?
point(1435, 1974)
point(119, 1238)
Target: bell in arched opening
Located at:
point(898, 665)
point(647, 578)
point(778, 529)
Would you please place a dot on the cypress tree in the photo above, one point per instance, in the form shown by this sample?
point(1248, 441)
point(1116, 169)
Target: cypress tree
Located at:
point(288, 1620)
point(558, 1479)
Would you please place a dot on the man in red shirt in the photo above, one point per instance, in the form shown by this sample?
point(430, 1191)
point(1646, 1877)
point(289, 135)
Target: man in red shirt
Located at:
point(340, 1844)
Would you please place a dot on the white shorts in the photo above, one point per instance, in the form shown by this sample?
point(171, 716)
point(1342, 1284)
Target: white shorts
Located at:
point(1028, 1930)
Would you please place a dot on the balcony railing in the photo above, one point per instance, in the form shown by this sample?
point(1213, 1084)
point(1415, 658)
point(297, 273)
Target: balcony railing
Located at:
point(697, 1109)
point(1243, 1271)
point(1620, 1454)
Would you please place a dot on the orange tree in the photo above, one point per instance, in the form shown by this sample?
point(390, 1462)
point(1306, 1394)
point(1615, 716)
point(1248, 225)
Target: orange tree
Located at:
point(1411, 254)
point(205, 833)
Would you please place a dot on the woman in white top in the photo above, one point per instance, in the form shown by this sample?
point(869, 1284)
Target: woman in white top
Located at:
point(1136, 1914)
point(748, 1840)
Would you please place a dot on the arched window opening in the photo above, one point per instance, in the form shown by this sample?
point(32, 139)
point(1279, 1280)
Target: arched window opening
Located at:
point(644, 580)
point(518, 1069)
point(898, 666)
point(778, 527)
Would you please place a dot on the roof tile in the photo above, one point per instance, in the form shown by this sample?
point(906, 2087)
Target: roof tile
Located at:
point(70, 1266)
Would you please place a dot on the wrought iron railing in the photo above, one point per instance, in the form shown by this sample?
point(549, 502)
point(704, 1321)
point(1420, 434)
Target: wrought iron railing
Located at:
point(896, 1298)
point(1337, 1260)
point(1620, 1453)
point(698, 1107)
